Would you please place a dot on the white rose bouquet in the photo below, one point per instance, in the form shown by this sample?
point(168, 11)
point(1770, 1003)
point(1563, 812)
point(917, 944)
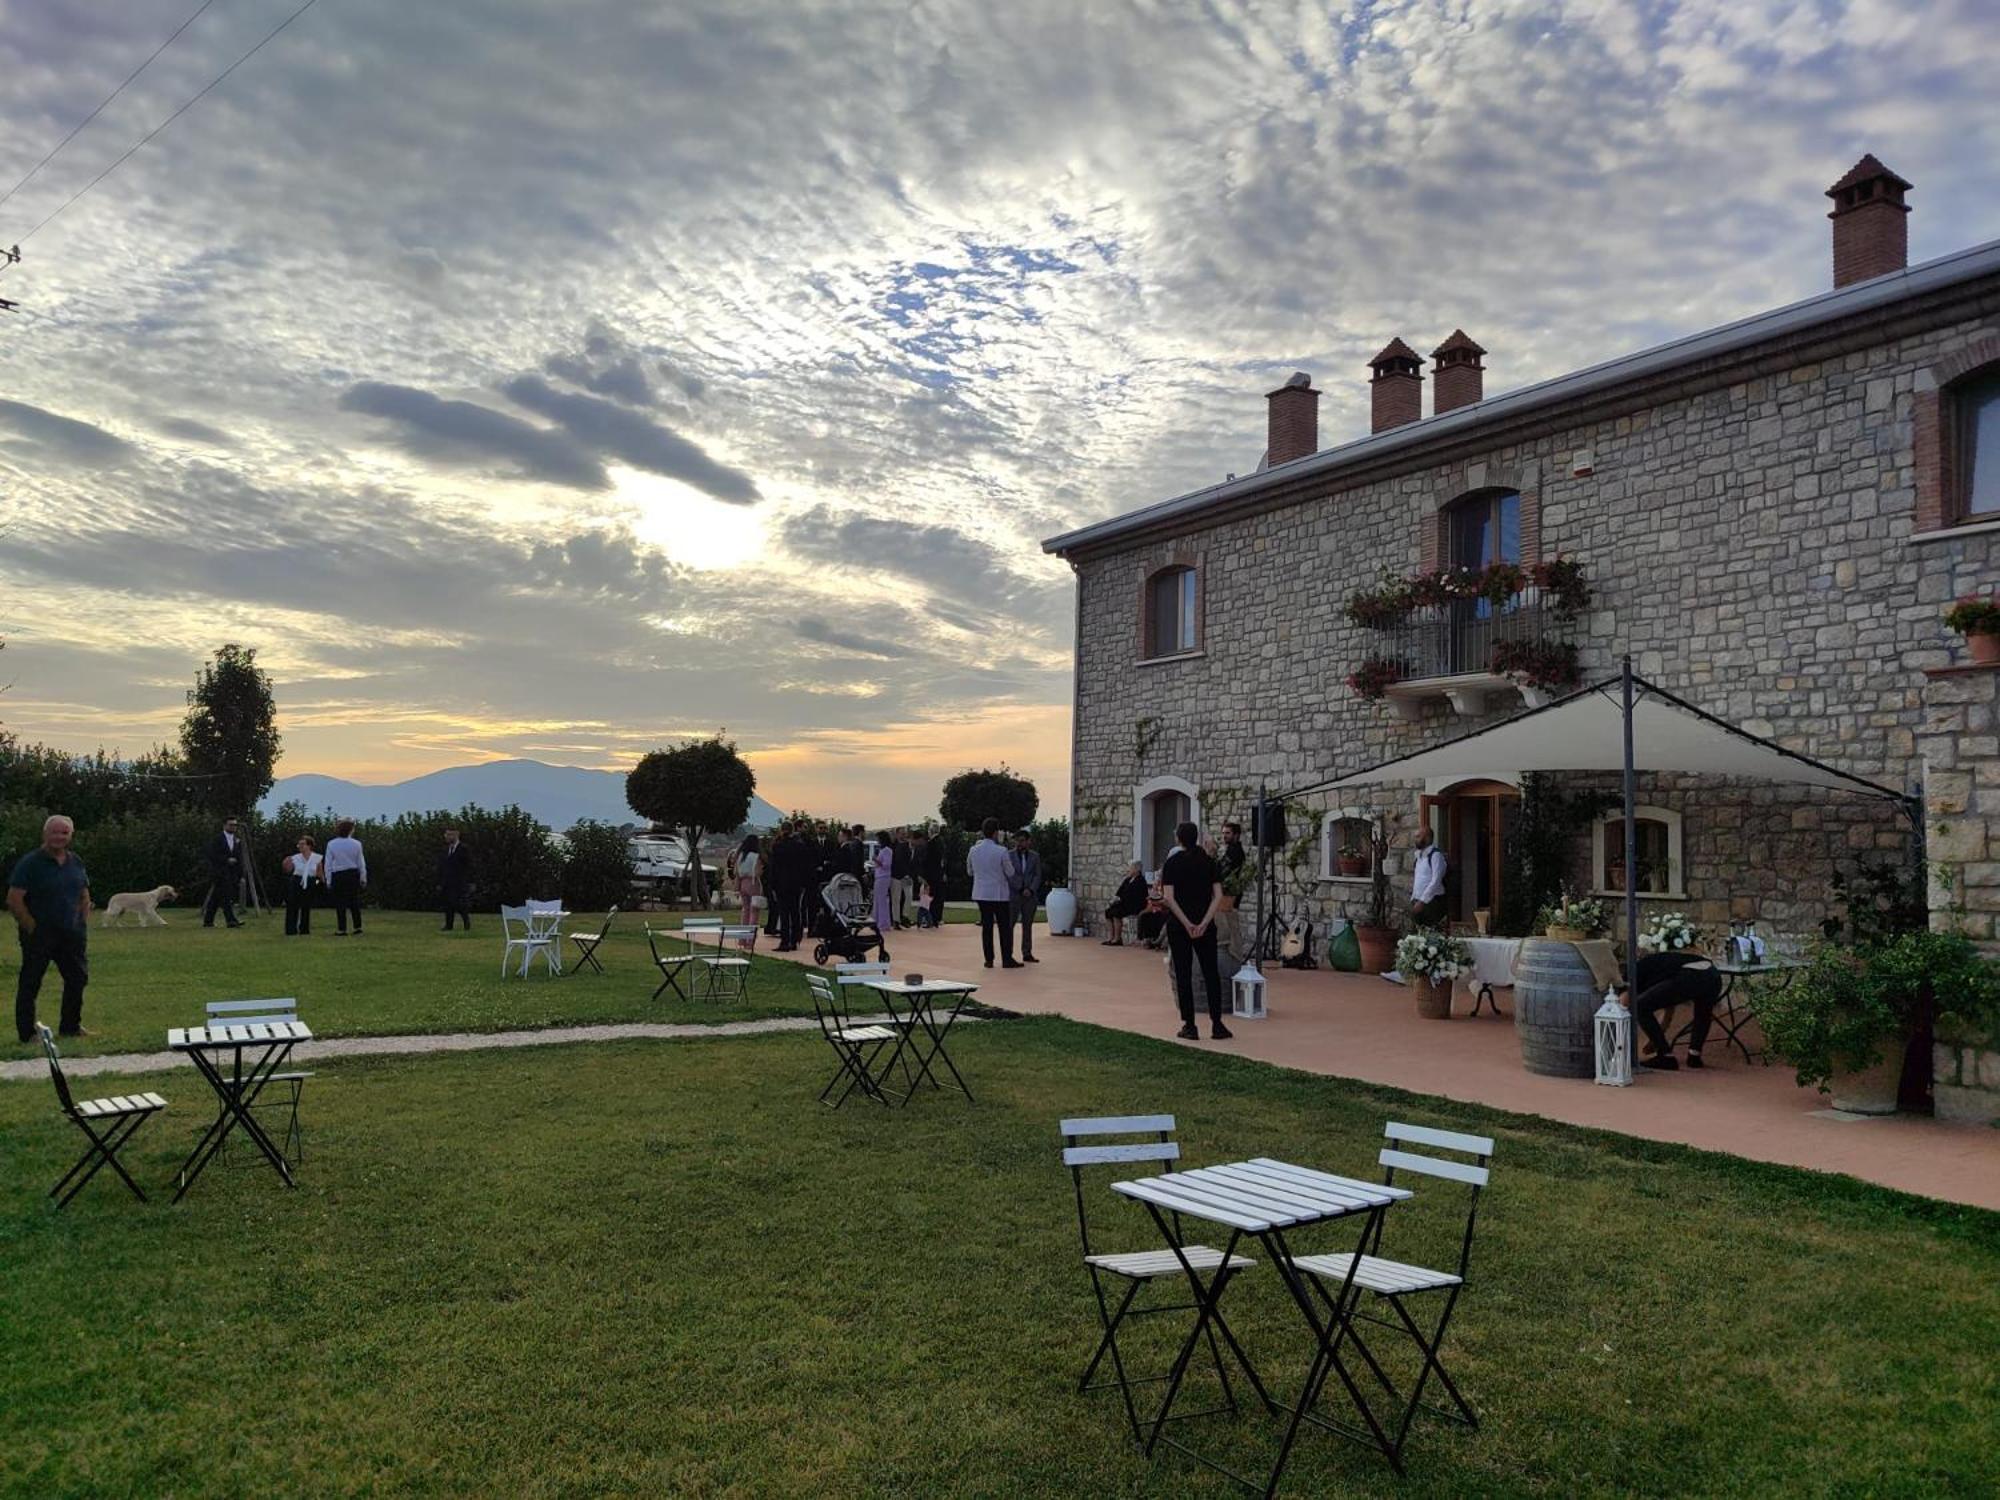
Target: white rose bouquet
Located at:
point(1667, 932)
point(1436, 956)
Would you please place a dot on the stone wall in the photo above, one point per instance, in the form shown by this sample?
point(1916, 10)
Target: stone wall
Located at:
point(1959, 741)
point(1748, 542)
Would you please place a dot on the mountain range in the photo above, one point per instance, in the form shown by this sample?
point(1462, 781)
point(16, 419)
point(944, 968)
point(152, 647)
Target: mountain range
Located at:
point(556, 795)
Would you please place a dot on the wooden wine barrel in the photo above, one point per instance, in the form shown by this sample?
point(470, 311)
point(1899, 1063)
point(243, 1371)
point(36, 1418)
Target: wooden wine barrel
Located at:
point(1554, 1000)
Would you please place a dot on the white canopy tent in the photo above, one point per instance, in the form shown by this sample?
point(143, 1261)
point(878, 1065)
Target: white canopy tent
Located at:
point(1624, 724)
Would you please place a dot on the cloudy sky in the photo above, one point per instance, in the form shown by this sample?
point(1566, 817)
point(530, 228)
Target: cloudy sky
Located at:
point(557, 380)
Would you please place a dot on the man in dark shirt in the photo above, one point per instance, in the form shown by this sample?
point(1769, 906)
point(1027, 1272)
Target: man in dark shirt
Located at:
point(851, 858)
point(455, 879)
point(225, 872)
point(1192, 884)
point(928, 856)
point(49, 895)
point(901, 868)
point(1233, 853)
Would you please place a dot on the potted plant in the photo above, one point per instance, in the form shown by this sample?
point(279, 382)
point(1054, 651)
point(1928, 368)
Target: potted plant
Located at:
point(1235, 882)
point(1350, 861)
point(1978, 620)
point(1372, 679)
point(1376, 936)
point(1845, 1020)
point(1572, 919)
point(1431, 962)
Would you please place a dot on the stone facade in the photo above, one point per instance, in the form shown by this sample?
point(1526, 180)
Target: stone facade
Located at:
point(1746, 526)
point(1959, 741)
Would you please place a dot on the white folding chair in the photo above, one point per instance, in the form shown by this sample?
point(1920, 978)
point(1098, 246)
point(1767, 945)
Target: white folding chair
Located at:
point(852, 978)
point(1138, 1269)
point(587, 944)
point(264, 1013)
point(673, 966)
point(109, 1124)
point(1394, 1281)
point(528, 933)
point(726, 974)
point(857, 1047)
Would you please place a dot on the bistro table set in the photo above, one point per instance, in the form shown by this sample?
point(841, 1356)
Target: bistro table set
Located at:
point(1272, 1204)
point(906, 1039)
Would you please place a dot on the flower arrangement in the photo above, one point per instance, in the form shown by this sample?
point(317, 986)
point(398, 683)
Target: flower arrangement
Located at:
point(1386, 606)
point(1667, 932)
point(1974, 615)
point(1562, 584)
point(1436, 956)
point(1372, 678)
point(1541, 664)
point(1581, 914)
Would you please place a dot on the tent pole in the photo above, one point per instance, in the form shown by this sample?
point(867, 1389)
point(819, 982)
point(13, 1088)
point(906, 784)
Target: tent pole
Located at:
point(1631, 853)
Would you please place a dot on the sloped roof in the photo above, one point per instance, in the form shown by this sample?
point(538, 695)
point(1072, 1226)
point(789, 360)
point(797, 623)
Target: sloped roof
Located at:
point(1868, 167)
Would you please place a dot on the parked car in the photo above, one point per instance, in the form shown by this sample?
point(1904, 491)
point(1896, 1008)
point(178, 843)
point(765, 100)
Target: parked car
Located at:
point(660, 865)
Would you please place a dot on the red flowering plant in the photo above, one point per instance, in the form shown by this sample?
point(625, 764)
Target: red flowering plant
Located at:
point(1386, 605)
point(1561, 581)
point(1372, 678)
point(1541, 664)
point(1974, 614)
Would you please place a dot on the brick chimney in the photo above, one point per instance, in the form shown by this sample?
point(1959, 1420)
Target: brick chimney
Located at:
point(1397, 386)
point(1294, 413)
point(1871, 226)
point(1457, 377)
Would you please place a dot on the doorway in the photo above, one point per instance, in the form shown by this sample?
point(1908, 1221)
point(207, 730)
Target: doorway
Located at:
point(1473, 822)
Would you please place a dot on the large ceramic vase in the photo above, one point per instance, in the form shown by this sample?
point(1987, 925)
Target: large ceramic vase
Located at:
point(1555, 1000)
point(1378, 948)
point(1433, 997)
point(1061, 907)
point(1869, 1091)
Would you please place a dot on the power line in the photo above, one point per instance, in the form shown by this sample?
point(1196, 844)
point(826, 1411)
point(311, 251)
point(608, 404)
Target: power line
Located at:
point(206, 89)
point(106, 101)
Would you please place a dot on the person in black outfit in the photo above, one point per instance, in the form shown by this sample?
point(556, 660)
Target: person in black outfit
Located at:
point(1667, 980)
point(455, 880)
point(1192, 884)
point(769, 877)
point(792, 860)
point(302, 883)
point(1129, 902)
point(850, 858)
point(225, 871)
point(1233, 854)
point(928, 857)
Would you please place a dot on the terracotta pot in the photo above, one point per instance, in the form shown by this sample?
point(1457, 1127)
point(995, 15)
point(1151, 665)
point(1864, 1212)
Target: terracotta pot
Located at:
point(1357, 865)
point(1985, 648)
point(1433, 997)
point(1872, 1091)
point(1378, 948)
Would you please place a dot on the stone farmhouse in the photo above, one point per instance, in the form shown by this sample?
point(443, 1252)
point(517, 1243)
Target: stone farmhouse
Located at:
point(1770, 516)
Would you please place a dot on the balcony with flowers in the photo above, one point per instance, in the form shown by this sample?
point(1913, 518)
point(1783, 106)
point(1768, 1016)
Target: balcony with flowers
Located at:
point(1468, 635)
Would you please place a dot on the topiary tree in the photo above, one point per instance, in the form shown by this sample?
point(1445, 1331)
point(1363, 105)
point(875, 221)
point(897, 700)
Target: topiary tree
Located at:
point(971, 797)
point(229, 738)
point(703, 785)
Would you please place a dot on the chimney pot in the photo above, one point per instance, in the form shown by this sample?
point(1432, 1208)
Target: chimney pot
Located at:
point(1294, 421)
point(1871, 226)
point(1458, 377)
point(1396, 388)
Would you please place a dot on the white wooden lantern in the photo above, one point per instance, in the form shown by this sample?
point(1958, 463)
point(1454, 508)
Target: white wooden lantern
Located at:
point(1613, 1024)
point(1246, 994)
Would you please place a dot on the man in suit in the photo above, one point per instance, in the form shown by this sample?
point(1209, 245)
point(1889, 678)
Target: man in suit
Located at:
point(225, 871)
point(455, 880)
point(1024, 890)
point(900, 871)
point(928, 857)
point(791, 863)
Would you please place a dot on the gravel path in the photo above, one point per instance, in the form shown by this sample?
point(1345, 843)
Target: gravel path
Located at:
point(37, 1067)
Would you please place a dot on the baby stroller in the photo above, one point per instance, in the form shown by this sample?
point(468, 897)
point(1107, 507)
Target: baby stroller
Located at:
point(844, 926)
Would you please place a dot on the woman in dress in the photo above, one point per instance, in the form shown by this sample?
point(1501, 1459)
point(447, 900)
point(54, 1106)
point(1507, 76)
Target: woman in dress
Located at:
point(302, 880)
point(885, 880)
point(748, 862)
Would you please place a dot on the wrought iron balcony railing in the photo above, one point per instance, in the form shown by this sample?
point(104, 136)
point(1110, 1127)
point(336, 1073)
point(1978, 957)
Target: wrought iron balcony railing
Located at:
point(1455, 639)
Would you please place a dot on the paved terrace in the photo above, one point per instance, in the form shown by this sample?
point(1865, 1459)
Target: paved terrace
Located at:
point(1358, 1026)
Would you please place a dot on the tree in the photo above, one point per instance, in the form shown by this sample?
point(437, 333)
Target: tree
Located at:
point(597, 867)
point(229, 738)
point(971, 797)
point(702, 786)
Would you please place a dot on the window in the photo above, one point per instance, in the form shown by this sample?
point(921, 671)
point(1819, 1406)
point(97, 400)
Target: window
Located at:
point(1659, 848)
point(1158, 808)
point(1485, 529)
point(1976, 405)
point(1346, 851)
point(1173, 613)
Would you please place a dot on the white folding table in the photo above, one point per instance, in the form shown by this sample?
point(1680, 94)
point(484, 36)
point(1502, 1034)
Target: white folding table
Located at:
point(922, 1016)
point(219, 1054)
point(1267, 1200)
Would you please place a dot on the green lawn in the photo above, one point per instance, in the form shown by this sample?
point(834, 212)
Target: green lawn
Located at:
point(661, 1268)
point(403, 975)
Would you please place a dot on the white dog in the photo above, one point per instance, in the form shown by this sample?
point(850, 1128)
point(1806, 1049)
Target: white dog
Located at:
point(145, 903)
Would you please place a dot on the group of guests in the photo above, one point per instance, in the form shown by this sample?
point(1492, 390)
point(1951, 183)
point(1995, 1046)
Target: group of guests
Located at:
point(1144, 900)
point(340, 875)
point(783, 877)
